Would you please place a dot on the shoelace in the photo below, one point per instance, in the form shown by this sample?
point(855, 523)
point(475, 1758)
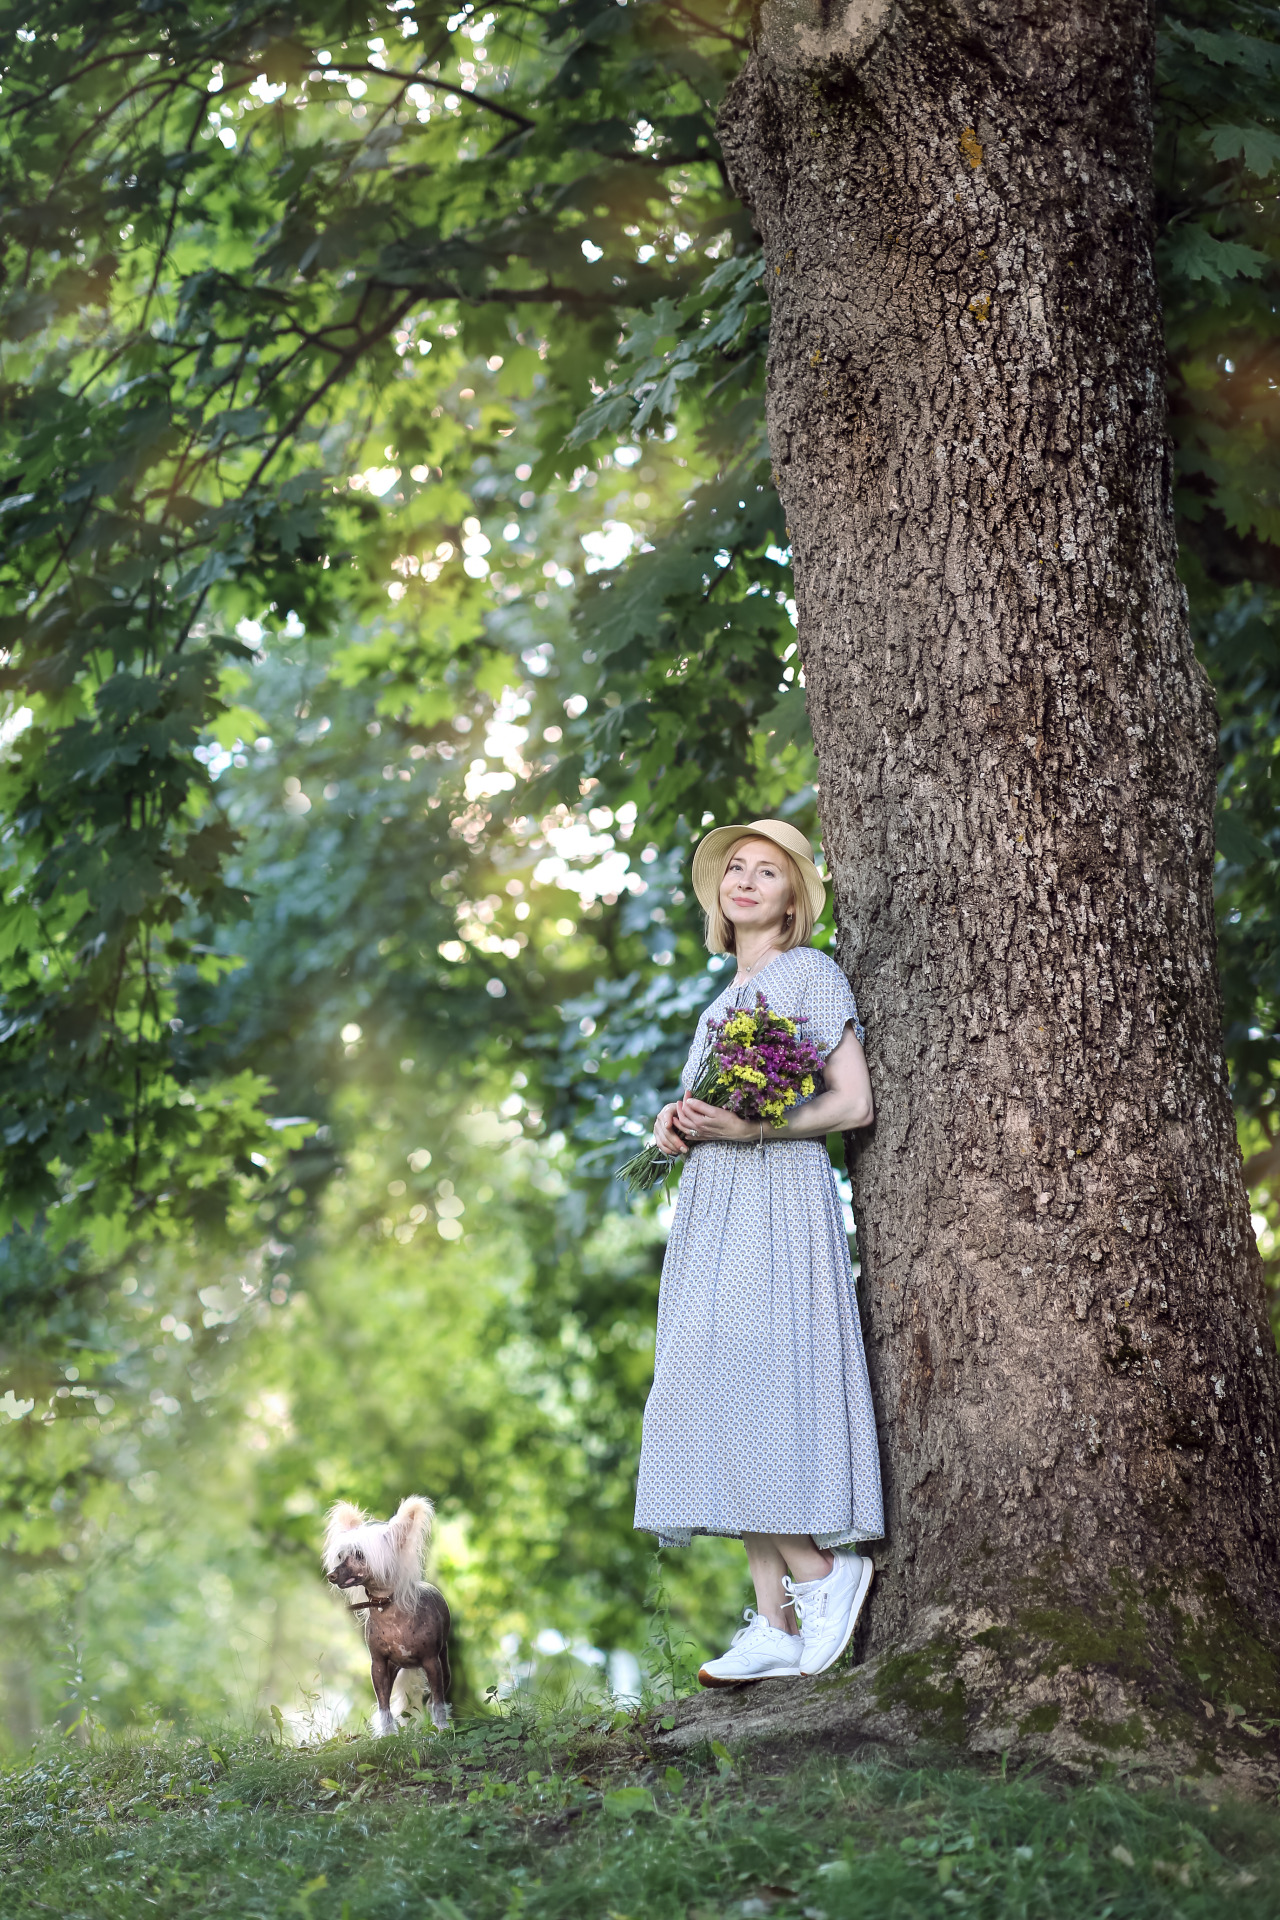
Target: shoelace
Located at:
point(812, 1606)
point(754, 1622)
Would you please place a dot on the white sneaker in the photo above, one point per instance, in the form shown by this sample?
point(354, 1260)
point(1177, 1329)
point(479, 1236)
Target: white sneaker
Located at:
point(756, 1652)
point(828, 1610)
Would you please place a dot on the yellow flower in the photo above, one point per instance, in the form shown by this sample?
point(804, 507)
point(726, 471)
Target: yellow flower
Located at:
point(752, 1075)
point(806, 1085)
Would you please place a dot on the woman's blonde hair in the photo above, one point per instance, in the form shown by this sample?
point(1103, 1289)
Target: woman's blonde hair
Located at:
point(796, 930)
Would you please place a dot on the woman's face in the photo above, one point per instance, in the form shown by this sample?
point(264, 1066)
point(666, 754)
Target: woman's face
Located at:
point(756, 891)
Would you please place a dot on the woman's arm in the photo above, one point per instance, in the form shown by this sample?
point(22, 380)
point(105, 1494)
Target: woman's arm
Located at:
point(844, 1102)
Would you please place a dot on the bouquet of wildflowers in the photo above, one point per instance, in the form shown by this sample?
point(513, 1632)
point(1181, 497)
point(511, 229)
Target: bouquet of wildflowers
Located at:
point(758, 1065)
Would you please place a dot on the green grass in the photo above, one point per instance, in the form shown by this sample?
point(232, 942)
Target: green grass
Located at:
point(510, 1820)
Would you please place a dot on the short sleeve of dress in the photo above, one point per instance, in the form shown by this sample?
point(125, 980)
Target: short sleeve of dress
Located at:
point(829, 1004)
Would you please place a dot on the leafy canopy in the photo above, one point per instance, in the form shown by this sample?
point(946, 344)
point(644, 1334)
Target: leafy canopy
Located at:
point(247, 255)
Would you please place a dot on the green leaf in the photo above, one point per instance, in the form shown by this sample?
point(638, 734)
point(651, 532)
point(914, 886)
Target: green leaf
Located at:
point(19, 928)
point(237, 723)
point(215, 566)
point(1259, 57)
point(624, 1802)
point(1258, 146)
point(1194, 253)
point(788, 720)
point(1235, 840)
point(649, 330)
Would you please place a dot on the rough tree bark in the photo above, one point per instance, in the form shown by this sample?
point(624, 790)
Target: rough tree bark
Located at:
point(1076, 1381)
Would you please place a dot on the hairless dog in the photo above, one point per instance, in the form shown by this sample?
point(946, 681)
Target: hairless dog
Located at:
point(378, 1565)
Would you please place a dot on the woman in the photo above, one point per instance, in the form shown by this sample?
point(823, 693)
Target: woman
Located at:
point(760, 1422)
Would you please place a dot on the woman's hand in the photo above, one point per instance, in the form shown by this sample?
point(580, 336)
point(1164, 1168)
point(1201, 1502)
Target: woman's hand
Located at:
point(668, 1141)
point(697, 1120)
point(844, 1102)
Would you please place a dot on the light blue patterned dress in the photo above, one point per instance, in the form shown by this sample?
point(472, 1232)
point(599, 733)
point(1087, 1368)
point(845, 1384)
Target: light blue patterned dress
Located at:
point(760, 1417)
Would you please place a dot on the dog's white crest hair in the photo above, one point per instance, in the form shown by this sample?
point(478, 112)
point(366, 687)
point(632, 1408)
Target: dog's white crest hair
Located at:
point(393, 1549)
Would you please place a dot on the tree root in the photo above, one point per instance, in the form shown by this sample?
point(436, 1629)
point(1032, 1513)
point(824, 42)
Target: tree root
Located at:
point(957, 1695)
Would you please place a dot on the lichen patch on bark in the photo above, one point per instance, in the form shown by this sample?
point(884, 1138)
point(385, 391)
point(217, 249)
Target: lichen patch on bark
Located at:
point(802, 33)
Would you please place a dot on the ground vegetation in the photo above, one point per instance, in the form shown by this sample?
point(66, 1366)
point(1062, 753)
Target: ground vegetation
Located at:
point(525, 1817)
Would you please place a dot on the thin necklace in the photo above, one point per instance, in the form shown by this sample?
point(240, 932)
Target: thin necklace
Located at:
point(769, 953)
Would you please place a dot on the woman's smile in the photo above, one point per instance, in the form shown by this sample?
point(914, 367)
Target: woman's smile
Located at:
point(755, 889)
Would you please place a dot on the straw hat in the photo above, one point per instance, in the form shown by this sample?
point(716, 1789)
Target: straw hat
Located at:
point(710, 852)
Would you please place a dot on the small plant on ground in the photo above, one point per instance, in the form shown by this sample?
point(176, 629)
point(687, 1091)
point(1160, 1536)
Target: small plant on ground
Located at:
point(670, 1660)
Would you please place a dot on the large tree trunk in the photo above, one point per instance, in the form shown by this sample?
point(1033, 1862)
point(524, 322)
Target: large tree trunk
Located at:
point(1076, 1382)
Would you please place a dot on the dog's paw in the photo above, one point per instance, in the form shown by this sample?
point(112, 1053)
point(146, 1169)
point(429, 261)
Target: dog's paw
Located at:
point(441, 1713)
point(382, 1723)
